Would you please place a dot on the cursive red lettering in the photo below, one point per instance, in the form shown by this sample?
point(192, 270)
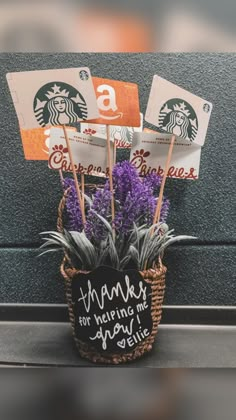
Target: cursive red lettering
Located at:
point(143, 170)
point(90, 169)
point(171, 172)
point(80, 169)
point(181, 173)
point(65, 166)
point(160, 171)
point(55, 160)
point(191, 174)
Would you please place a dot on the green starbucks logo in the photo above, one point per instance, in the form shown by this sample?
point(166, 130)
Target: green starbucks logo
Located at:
point(123, 136)
point(84, 75)
point(58, 103)
point(178, 117)
point(206, 108)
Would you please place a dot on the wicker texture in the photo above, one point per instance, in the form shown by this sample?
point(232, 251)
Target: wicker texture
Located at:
point(154, 277)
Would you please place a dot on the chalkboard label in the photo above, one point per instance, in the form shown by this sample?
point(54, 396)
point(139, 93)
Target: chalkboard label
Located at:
point(112, 309)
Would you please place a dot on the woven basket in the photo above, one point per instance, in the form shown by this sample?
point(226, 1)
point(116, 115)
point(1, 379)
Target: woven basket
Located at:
point(154, 277)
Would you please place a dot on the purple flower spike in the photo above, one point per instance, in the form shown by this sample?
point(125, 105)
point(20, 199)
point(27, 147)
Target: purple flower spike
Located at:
point(136, 200)
point(125, 177)
point(102, 205)
point(74, 216)
point(152, 181)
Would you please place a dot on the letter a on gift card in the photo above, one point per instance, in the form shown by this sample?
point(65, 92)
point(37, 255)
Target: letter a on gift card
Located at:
point(47, 98)
point(118, 103)
point(176, 111)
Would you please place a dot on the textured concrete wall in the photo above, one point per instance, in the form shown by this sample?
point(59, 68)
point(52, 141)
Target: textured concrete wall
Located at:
point(29, 191)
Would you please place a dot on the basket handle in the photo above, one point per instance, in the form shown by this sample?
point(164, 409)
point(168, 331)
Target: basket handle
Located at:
point(61, 208)
point(158, 264)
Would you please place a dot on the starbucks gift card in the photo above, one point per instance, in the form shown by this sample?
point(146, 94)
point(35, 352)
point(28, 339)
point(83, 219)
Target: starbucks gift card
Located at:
point(149, 151)
point(53, 97)
point(118, 103)
point(50, 98)
point(176, 111)
point(89, 153)
point(122, 136)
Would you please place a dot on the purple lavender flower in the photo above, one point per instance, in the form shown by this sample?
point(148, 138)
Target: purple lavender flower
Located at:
point(165, 210)
point(125, 177)
point(137, 201)
point(102, 205)
point(74, 217)
point(67, 183)
point(152, 181)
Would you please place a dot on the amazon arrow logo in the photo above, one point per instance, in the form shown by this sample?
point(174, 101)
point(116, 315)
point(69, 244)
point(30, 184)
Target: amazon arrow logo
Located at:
point(114, 117)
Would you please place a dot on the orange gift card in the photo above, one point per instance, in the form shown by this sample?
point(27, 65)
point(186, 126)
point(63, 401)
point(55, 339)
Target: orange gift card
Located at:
point(36, 143)
point(118, 103)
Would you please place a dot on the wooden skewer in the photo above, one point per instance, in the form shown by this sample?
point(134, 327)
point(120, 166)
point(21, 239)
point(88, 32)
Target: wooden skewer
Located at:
point(110, 165)
point(83, 189)
point(75, 176)
point(160, 198)
point(61, 178)
point(47, 133)
point(114, 154)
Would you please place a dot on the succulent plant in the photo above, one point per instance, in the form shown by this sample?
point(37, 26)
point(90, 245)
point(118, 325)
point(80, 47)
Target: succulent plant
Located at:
point(136, 243)
point(142, 249)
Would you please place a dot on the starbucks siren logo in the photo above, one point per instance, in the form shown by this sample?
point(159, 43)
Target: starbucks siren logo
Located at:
point(58, 103)
point(178, 117)
point(122, 135)
point(83, 74)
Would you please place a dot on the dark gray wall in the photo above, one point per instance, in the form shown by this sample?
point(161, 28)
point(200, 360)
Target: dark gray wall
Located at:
point(201, 274)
